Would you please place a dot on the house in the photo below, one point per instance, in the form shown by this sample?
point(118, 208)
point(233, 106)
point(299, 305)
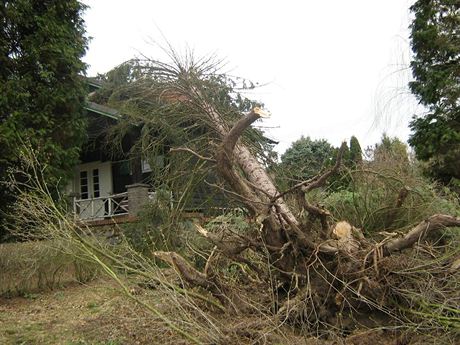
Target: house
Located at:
point(114, 186)
point(107, 185)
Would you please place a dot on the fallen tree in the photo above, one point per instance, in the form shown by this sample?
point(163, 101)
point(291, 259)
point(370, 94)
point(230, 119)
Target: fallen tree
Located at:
point(300, 239)
point(298, 263)
point(288, 240)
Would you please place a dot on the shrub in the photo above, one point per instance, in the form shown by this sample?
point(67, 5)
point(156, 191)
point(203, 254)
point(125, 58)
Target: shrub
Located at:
point(40, 265)
point(157, 229)
point(389, 192)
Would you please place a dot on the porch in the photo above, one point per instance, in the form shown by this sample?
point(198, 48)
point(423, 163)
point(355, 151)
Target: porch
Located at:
point(116, 208)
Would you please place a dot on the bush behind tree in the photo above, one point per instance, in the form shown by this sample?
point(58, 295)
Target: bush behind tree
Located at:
point(389, 192)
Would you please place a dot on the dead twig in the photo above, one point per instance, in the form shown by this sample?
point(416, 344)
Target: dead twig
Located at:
point(402, 196)
point(185, 149)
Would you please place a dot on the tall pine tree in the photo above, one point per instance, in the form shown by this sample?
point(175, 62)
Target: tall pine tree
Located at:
point(41, 86)
point(435, 39)
point(356, 153)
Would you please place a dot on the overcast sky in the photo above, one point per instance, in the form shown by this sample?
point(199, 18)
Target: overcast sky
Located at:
point(332, 69)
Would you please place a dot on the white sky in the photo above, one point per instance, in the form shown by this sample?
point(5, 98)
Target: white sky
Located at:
point(333, 68)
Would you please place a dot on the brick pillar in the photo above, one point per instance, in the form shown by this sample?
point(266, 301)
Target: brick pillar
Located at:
point(137, 197)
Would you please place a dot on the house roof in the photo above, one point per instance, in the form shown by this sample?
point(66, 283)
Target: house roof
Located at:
point(94, 82)
point(102, 110)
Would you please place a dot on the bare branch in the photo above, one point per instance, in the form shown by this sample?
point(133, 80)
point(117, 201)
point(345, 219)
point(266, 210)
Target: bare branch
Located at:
point(196, 278)
point(232, 137)
point(433, 223)
point(185, 149)
point(318, 180)
point(403, 193)
point(186, 271)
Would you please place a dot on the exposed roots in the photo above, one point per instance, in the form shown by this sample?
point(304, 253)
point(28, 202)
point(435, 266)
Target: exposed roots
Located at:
point(412, 289)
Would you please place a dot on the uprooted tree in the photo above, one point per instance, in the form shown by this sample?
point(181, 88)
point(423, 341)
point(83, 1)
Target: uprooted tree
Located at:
point(299, 238)
point(318, 267)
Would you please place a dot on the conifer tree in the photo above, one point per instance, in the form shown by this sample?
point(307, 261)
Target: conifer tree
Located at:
point(435, 39)
point(41, 86)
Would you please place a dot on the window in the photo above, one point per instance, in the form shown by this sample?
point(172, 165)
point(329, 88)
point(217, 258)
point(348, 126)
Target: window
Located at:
point(146, 166)
point(96, 189)
point(84, 184)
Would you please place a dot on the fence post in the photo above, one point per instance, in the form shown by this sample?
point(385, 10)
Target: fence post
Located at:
point(109, 200)
point(74, 201)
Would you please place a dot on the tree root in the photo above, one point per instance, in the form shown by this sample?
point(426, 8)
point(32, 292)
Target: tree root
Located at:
point(209, 282)
point(418, 233)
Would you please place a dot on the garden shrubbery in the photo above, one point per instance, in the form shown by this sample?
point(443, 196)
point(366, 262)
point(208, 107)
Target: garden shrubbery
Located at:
point(28, 267)
point(388, 192)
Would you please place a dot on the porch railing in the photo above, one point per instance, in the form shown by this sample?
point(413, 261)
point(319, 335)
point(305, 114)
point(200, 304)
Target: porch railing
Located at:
point(102, 207)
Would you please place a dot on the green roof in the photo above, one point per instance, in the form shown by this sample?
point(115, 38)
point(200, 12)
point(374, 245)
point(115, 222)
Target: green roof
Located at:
point(94, 82)
point(102, 110)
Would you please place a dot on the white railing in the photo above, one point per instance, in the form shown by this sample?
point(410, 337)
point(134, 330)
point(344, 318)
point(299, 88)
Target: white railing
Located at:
point(100, 208)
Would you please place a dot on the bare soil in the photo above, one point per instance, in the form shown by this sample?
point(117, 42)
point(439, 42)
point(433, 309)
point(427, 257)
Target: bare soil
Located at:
point(79, 314)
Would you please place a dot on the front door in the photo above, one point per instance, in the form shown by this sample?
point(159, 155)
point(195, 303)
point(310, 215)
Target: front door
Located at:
point(94, 185)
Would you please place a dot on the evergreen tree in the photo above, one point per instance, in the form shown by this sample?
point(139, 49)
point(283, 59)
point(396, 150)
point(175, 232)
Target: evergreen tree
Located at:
point(306, 157)
point(41, 87)
point(435, 39)
point(391, 150)
point(356, 153)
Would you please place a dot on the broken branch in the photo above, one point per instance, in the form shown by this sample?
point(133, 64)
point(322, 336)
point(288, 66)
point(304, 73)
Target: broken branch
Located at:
point(433, 223)
point(318, 180)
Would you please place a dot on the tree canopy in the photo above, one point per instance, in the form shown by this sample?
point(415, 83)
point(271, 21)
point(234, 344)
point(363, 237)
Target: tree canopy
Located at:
point(391, 149)
point(435, 39)
point(305, 157)
point(41, 85)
